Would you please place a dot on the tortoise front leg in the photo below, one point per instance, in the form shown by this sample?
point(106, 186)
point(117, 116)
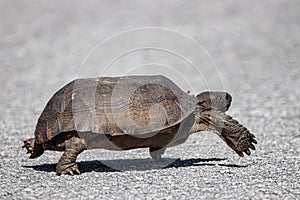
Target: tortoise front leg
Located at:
point(231, 131)
point(156, 153)
point(67, 163)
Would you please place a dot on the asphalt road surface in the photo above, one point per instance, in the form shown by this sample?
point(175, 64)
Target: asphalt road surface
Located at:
point(253, 52)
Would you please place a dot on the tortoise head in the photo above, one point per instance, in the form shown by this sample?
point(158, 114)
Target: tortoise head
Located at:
point(33, 148)
point(217, 100)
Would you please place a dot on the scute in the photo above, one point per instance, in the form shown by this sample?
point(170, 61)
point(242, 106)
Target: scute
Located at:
point(134, 105)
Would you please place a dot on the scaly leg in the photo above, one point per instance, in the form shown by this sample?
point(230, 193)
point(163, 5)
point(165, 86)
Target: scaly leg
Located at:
point(231, 131)
point(67, 163)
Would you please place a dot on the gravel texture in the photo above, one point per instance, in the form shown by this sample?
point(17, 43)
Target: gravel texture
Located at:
point(256, 45)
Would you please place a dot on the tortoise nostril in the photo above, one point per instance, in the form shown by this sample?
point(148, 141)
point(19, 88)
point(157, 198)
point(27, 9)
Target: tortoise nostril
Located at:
point(229, 96)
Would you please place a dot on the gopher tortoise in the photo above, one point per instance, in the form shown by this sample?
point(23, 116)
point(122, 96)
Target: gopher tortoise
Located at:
point(121, 113)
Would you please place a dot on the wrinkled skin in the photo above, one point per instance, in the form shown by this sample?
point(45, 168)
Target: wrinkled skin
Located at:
point(209, 116)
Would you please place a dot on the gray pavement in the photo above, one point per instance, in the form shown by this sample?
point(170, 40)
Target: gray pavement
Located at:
point(255, 45)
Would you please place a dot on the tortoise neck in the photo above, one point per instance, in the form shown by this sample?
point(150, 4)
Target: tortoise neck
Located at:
point(196, 126)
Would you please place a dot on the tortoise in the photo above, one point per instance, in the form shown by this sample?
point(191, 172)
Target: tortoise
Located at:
point(122, 113)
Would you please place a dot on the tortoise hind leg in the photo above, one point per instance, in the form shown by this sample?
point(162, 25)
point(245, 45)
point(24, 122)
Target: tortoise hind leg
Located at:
point(156, 153)
point(67, 163)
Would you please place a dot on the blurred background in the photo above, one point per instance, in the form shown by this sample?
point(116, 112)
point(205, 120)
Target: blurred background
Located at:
point(43, 44)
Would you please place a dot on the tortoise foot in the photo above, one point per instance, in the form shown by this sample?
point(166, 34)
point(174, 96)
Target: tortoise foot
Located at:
point(67, 163)
point(245, 144)
point(71, 169)
point(156, 153)
point(241, 141)
point(236, 136)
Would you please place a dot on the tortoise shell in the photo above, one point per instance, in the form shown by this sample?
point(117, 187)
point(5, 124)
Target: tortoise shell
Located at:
point(133, 105)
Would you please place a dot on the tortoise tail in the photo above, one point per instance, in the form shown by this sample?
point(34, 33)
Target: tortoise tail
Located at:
point(33, 148)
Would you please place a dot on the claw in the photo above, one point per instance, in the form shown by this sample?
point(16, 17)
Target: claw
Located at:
point(248, 152)
point(240, 153)
point(67, 171)
point(77, 171)
point(71, 172)
point(251, 146)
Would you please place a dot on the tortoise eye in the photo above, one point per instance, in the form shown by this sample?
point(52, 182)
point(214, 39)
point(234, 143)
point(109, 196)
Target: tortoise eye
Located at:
point(202, 103)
